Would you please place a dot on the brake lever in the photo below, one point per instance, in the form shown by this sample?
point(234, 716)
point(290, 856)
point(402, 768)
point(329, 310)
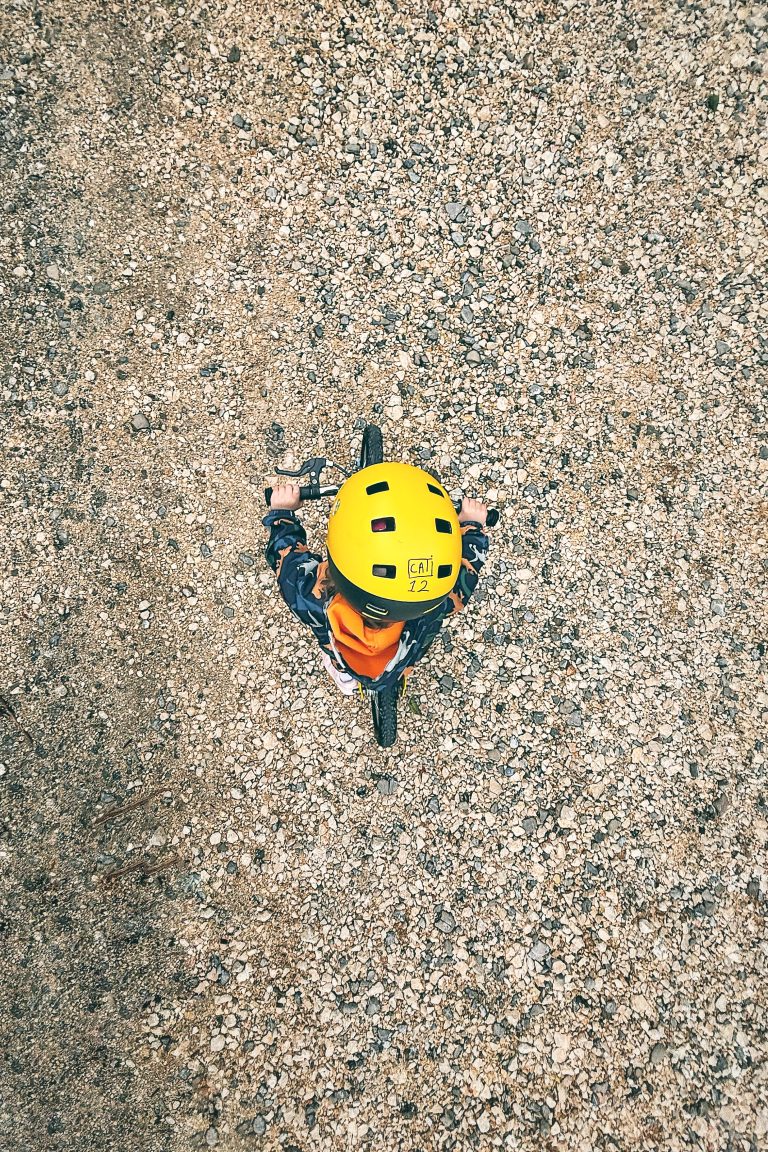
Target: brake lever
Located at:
point(311, 468)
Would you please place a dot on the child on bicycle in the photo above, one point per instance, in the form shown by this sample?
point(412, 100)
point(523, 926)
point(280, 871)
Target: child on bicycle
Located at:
point(400, 561)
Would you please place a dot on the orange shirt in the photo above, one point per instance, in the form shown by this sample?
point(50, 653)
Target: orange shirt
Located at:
point(366, 650)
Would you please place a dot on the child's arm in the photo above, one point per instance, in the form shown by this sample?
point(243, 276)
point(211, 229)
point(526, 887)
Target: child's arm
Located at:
point(301, 574)
point(474, 552)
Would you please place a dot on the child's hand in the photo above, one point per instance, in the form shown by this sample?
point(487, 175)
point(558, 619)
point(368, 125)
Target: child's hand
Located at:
point(472, 510)
point(285, 496)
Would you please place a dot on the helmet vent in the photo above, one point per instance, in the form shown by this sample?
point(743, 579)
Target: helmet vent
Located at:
point(443, 526)
point(433, 488)
point(388, 571)
point(383, 524)
point(444, 570)
point(382, 486)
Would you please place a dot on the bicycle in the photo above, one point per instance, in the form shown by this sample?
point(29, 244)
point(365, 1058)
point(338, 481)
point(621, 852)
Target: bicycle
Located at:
point(384, 701)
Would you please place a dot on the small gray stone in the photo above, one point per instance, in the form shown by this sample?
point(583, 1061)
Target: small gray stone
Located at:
point(211, 1137)
point(721, 803)
point(139, 422)
point(456, 212)
point(445, 922)
point(387, 785)
point(658, 1052)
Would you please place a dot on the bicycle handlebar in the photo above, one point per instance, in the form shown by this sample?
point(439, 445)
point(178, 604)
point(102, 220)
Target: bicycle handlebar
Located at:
point(307, 492)
point(318, 491)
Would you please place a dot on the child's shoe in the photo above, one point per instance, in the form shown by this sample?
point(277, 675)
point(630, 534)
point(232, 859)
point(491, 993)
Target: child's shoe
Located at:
point(341, 679)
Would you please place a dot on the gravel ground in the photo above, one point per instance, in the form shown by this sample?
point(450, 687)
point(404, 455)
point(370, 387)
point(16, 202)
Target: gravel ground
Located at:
point(526, 241)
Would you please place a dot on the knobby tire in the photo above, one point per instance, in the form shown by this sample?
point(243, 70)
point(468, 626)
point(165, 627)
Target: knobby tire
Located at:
point(384, 712)
point(372, 451)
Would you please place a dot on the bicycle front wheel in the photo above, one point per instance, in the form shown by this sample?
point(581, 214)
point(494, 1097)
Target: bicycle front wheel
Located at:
point(372, 451)
point(384, 713)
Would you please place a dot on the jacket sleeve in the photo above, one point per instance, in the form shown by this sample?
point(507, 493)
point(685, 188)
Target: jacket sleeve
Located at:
point(302, 576)
point(474, 553)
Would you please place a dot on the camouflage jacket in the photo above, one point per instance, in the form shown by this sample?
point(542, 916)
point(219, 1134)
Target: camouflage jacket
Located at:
point(305, 585)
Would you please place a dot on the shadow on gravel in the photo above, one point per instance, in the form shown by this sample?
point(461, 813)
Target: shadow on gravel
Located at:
point(85, 956)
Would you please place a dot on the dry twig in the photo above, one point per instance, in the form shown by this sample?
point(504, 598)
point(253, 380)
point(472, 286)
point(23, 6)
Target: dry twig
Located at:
point(120, 809)
point(9, 712)
point(146, 867)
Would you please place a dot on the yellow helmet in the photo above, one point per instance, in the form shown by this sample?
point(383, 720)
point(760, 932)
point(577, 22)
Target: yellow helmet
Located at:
point(394, 542)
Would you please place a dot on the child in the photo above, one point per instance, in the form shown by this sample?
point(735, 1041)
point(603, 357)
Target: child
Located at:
point(399, 562)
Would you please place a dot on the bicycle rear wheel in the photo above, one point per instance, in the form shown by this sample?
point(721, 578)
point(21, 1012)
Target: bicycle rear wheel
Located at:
point(372, 451)
point(384, 712)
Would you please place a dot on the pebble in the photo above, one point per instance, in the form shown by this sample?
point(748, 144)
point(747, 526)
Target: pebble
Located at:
point(445, 922)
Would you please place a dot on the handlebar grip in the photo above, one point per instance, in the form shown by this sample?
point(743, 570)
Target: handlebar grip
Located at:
point(492, 516)
point(306, 492)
